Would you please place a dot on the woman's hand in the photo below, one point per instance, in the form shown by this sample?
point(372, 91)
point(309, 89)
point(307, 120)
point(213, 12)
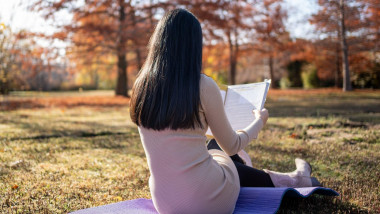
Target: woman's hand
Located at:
point(263, 114)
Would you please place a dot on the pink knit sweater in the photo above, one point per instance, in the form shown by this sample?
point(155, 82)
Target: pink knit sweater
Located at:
point(185, 177)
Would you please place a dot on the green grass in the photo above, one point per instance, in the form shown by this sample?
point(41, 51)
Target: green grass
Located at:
point(57, 160)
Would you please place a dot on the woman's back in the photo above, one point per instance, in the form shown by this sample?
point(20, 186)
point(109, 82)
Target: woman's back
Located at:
point(185, 178)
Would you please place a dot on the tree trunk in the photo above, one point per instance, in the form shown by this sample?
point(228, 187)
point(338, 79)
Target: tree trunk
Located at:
point(4, 87)
point(137, 45)
point(151, 14)
point(233, 60)
point(345, 66)
point(121, 85)
point(337, 70)
point(271, 71)
point(94, 74)
point(122, 79)
point(138, 58)
point(232, 75)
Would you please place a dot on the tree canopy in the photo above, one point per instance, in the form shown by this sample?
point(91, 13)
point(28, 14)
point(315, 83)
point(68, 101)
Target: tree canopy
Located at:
point(244, 40)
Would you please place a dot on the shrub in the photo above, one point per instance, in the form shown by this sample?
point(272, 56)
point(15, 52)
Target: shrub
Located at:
point(309, 76)
point(367, 79)
point(285, 83)
point(294, 69)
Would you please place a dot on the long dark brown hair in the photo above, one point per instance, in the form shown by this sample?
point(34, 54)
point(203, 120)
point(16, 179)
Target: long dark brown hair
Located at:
point(166, 92)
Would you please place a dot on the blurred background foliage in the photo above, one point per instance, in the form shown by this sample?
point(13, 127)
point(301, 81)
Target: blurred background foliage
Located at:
point(244, 41)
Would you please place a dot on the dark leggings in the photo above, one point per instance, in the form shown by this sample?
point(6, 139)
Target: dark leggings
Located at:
point(248, 176)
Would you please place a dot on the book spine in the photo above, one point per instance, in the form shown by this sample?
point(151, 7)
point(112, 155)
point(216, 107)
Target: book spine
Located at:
point(267, 84)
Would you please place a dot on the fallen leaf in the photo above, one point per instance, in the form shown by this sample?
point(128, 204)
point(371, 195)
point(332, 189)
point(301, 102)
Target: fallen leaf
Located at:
point(118, 198)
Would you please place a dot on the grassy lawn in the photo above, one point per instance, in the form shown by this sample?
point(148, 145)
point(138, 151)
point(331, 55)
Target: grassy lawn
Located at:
point(60, 152)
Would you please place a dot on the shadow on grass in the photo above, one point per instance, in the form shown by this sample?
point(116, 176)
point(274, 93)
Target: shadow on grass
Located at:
point(47, 128)
point(365, 110)
point(47, 148)
point(78, 134)
point(117, 141)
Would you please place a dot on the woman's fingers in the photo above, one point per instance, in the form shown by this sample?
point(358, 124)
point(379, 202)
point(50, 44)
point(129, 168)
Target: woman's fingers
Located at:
point(257, 113)
point(263, 114)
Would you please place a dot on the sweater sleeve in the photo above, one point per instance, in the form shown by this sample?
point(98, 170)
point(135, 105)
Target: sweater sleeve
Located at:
point(229, 140)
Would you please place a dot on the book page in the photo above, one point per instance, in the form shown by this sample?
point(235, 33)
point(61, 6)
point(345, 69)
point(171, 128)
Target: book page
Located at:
point(223, 93)
point(241, 100)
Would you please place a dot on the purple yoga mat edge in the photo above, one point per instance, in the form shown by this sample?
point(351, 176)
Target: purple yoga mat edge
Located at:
point(285, 192)
point(330, 192)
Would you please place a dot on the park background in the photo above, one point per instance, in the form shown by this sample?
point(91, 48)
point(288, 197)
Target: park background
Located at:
point(67, 142)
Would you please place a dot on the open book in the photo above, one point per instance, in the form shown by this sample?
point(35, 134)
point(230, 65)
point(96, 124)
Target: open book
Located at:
point(240, 100)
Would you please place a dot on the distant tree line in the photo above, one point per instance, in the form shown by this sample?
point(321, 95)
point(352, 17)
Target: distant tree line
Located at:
point(107, 42)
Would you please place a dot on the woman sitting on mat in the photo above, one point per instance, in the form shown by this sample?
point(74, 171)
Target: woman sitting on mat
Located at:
point(173, 104)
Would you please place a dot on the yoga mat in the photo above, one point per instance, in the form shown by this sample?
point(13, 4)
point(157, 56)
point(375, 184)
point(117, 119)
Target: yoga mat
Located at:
point(268, 200)
point(251, 200)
